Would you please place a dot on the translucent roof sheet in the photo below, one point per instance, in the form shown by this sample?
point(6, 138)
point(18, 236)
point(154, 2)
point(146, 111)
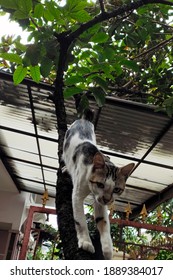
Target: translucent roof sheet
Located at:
point(126, 131)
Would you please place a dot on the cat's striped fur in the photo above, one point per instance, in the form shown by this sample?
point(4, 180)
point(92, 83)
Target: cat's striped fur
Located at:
point(92, 172)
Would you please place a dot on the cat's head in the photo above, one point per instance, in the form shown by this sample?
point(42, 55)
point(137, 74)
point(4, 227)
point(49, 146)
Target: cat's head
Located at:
point(107, 181)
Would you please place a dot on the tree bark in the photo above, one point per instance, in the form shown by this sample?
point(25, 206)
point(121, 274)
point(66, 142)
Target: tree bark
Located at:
point(65, 220)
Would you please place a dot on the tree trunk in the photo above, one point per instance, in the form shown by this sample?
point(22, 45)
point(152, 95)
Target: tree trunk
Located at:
point(64, 184)
point(65, 220)
point(64, 189)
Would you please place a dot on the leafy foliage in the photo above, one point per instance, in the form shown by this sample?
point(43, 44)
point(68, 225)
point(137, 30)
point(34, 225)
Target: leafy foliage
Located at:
point(129, 56)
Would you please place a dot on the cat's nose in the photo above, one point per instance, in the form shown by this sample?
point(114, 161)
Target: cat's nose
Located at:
point(105, 200)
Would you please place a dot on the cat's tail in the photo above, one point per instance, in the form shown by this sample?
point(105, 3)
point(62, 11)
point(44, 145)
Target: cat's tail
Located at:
point(88, 115)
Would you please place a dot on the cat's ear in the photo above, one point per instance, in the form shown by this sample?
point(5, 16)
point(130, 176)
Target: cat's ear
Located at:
point(127, 169)
point(98, 161)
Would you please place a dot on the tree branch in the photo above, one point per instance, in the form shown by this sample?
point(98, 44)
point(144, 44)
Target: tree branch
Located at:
point(36, 25)
point(158, 46)
point(58, 99)
point(122, 90)
point(102, 7)
point(118, 11)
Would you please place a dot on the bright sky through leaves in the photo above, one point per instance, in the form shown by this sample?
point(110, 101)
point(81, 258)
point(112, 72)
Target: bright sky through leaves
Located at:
point(11, 28)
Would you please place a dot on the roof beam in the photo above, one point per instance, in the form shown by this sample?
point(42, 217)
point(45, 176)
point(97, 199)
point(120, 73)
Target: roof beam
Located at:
point(11, 129)
point(155, 201)
point(156, 141)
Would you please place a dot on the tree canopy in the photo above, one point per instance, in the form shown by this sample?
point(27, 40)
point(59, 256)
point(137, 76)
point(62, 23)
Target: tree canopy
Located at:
point(117, 47)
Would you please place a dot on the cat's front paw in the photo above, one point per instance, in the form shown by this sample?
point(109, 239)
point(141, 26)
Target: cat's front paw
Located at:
point(86, 245)
point(108, 253)
point(107, 248)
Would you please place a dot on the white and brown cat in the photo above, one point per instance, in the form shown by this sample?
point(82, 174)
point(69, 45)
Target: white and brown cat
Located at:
point(92, 172)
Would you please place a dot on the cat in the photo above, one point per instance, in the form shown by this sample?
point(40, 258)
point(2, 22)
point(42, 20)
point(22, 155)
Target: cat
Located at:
point(92, 172)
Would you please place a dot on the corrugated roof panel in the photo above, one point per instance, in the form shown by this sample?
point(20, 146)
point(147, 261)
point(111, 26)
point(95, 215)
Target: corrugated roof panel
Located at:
point(127, 131)
point(46, 125)
point(17, 118)
point(26, 170)
point(145, 184)
point(41, 100)
point(19, 141)
point(154, 174)
point(32, 184)
point(119, 161)
point(135, 196)
point(21, 154)
point(49, 152)
point(50, 176)
point(163, 152)
point(16, 99)
point(44, 111)
point(36, 188)
point(14, 95)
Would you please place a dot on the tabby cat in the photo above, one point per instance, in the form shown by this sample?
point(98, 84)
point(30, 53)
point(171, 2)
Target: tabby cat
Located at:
point(92, 172)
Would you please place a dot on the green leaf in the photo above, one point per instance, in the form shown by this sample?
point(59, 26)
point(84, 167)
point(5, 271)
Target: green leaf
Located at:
point(70, 91)
point(52, 48)
point(25, 6)
point(11, 57)
point(53, 10)
point(109, 53)
point(83, 70)
point(20, 46)
point(75, 5)
point(46, 65)
point(85, 54)
point(38, 11)
point(73, 80)
point(100, 37)
point(94, 29)
point(48, 16)
point(33, 54)
point(130, 64)
point(35, 73)
point(168, 104)
point(24, 9)
point(20, 14)
point(19, 74)
point(142, 10)
point(99, 95)
point(9, 4)
point(118, 69)
point(81, 16)
point(101, 82)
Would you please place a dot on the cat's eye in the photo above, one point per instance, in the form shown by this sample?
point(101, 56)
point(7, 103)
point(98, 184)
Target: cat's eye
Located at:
point(100, 185)
point(117, 190)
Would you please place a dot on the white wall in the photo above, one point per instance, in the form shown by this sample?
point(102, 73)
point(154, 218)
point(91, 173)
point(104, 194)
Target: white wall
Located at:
point(13, 208)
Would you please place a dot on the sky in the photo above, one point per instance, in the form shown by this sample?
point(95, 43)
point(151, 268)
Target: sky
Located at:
point(11, 28)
